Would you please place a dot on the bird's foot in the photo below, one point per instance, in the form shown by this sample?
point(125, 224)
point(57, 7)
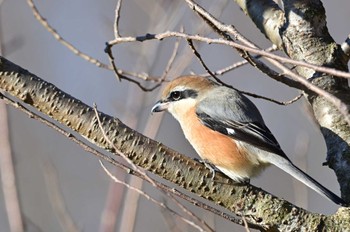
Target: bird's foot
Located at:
point(210, 166)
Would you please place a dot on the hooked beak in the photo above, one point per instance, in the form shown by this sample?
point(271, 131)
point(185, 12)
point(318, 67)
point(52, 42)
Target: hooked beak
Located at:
point(160, 106)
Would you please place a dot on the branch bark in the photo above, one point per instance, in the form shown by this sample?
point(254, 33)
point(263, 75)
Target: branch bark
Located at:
point(258, 207)
point(267, 16)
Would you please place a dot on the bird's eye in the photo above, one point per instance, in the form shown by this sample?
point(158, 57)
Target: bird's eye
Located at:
point(175, 95)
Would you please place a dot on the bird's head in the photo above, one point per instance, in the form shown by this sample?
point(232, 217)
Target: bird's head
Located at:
point(182, 94)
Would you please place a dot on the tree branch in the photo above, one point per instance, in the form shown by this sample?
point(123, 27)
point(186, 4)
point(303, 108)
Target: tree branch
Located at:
point(266, 15)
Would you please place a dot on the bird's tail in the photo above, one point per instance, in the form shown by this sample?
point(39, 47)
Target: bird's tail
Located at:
point(297, 173)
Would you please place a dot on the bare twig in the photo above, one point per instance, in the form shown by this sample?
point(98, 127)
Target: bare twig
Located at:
point(133, 166)
point(197, 54)
point(57, 36)
point(245, 224)
point(148, 197)
point(119, 76)
point(117, 17)
point(116, 35)
point(283, 103)
point(237, 64)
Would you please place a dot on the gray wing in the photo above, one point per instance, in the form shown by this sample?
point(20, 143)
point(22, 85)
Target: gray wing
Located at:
point(237, 117)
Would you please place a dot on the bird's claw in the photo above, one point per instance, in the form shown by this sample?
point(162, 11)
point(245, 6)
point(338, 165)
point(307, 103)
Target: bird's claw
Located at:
point(210, 166)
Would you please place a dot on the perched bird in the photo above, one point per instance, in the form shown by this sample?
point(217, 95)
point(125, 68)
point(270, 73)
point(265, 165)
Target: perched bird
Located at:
point(227, 130)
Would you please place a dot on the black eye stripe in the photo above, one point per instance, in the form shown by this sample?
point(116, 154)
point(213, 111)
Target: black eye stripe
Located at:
point(190, 93)
point(178, 95)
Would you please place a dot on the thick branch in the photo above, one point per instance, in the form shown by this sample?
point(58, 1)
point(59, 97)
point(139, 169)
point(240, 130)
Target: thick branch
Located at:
point(266, 15)
point(257, 206)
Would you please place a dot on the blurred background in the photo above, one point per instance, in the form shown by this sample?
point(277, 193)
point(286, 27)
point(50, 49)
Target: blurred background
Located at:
point(48, 164)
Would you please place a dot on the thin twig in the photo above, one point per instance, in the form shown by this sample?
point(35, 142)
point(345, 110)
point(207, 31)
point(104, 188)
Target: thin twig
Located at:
point(148, 197)
point(116, 35)
point(58, 37)
point(245, 224)
point(237, 64)
point(117, 17)
point(282, 103)
point(133, 166)
point(197, 54)
point(119, 76)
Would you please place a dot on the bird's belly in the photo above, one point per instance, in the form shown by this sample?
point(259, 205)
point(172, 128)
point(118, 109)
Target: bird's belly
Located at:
point(222, 151)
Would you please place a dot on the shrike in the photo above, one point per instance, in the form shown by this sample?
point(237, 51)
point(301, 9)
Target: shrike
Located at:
point(227, 130)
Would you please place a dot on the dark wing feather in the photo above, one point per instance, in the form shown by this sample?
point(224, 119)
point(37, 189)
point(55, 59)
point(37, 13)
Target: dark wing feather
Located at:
point(247, 126)
point(250, 132)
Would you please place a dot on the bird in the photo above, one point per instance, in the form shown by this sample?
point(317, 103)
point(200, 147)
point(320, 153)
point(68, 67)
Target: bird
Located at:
point(227, 130)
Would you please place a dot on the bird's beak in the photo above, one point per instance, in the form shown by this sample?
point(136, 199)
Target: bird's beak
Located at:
point(160, 106)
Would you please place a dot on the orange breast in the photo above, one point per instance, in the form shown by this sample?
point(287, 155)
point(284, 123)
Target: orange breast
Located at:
point(218, 149)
